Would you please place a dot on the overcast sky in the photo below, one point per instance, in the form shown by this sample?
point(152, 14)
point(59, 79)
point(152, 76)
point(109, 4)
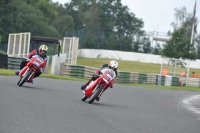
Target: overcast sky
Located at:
point(157, 14)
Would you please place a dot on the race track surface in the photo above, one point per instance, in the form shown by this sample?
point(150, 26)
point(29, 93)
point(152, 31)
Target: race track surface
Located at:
point(55, 106)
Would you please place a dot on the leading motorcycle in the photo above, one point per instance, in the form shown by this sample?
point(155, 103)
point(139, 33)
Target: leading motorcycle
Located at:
point(95, 88)
point(32, 66)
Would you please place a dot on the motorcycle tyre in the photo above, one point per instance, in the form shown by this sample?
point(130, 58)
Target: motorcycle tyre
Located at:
point(84, 98)
point(19, 80)
point(25, 78)
point(95, 94)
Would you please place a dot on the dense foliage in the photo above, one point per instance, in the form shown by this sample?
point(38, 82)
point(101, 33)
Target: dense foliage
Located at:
point(179, 46)
point(99, 24)
point(103, 24)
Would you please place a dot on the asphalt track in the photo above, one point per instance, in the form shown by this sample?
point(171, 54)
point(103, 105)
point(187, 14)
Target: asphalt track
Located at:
point(55, 106)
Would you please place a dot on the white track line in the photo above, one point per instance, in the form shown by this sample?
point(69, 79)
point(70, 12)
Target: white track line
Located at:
point(190, 103)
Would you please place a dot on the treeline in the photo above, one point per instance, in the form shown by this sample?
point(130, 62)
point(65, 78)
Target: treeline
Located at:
point(99, 24)
point(105, 24)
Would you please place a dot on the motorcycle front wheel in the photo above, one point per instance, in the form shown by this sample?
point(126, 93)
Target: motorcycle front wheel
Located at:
point(95, 94)
point(25, 77)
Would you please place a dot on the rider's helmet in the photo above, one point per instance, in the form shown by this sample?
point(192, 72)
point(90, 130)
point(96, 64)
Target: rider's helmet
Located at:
point(43, 50)
point(113, 65)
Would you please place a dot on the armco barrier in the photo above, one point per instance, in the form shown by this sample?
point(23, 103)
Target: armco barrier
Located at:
point(151, 78)
point(14, 62)
point(163, 80)
point(89, 71)
point(123, 77)
point(77, 71)
point(175, 81)
point(142, 79)
point(191, 81)
point(134, 77)
point(127, 77)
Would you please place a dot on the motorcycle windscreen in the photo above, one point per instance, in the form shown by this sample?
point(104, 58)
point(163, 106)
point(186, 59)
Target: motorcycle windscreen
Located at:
point(110, 72)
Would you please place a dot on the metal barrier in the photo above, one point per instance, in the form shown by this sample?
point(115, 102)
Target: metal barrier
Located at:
point(77, 71)
point(123, 77)
point(191, 81)
point(14, 62)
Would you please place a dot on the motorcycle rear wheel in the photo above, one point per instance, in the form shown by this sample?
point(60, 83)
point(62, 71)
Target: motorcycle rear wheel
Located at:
point(25, 77)
point(95, 94)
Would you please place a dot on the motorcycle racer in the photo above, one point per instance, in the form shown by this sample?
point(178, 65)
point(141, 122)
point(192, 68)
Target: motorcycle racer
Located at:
point(41, 52)
point(111, 65)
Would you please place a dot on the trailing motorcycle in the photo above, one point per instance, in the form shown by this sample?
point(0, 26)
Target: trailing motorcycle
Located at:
point(32, 66)
point(95, 88)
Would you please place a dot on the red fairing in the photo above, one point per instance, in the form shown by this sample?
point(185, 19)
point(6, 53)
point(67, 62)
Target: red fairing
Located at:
point(90, 87)
point(34, 52)
point(34, 64)
point(34, 59)
point(23, 71)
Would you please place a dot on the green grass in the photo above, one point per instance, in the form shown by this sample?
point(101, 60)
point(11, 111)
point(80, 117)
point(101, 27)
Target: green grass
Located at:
point(9, 72)
point(131, 66)
point(128, 66)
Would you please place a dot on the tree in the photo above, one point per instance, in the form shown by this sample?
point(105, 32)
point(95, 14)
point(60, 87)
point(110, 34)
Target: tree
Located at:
point(146, 45)
point(113, 24)
point(25, 17)
point(136, 46)
point(180, 17)
point(179, 46)
point(197, 40)
point(157, 49)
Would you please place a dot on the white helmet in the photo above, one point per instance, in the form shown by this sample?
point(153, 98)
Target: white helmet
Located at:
point(113, 64)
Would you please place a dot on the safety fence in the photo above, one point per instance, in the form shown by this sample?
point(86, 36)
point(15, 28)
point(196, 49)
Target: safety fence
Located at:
point(123, 77)
point(14, 62)
point(79, 71)
point(191, 81)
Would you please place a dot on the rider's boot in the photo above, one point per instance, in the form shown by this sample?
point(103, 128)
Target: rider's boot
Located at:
point(31, 81)
point(98, 98)
point(17, 72)
point(84, 86)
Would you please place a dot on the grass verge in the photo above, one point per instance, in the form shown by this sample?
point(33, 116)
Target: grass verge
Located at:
point(133, 66)
point(9, 72)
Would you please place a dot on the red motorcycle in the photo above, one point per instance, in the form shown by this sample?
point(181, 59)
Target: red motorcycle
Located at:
point(32, 66)
point(95, 88)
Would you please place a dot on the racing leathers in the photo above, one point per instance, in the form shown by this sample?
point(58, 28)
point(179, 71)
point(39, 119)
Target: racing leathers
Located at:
point(29, 56)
